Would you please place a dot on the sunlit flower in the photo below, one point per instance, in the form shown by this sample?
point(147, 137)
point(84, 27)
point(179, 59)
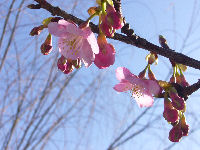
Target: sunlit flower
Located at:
point(106, 56)
point(75, 42)
point(141, 89)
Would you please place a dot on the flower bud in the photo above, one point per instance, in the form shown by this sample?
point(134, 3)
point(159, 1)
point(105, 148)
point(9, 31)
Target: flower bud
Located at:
point(184, 126)
point(92, 10)
point(171, 115)
point(172, 79)
point(177, 101)
point(175, 133)
point(36, 30)
point(163, 42)
point(46, 47)
point(61, 63)
point(151, 58)
point(64, 65)
point(114, 18)
point(183, 81)
point(105, 27)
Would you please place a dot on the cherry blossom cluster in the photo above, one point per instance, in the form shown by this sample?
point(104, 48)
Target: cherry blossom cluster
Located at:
point(174, 101)
point(78, 44)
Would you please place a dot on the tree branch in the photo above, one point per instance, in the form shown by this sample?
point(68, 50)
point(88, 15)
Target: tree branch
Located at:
point(133, 40)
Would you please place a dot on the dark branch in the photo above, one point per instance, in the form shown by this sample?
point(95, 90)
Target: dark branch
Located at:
point(133, 40)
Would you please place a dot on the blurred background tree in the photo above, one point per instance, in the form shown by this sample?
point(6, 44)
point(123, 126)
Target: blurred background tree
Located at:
point(42, 108)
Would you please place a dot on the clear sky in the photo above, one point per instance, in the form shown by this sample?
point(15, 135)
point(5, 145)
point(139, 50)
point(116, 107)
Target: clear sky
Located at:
point(102, 113)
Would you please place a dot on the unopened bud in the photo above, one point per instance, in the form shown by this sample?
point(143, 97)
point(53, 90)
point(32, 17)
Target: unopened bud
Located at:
point(163, 42)
point(175, 133)
point(92, 10)
point(36, 30)
point(171, 115)
point(172, 79)
point(177, 101)
point(151, 58)
point(183, 81)
point(46, 47)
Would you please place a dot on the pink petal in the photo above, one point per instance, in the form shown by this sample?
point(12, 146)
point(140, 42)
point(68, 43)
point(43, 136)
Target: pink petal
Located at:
point(87, 55)
point(70, 51)
point(91, 40)
point(152, 86)
point(123, 73)
point(146, 100)
point(71, 27)
point(106, 58)
point(123, 86)
point(57, 30)
point(63, 27)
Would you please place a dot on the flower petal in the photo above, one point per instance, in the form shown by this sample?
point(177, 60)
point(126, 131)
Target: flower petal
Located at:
point(123, 86)
point(63, 27)
point(70, 46)
point(87, 55)
point(57, 30)
point(145, 100)
point(123, 73)
point(92, 40)
point(106, 57)
point(152, 86)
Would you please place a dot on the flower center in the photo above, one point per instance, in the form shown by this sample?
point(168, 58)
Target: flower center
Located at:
point(73, 44)
point(137, 91)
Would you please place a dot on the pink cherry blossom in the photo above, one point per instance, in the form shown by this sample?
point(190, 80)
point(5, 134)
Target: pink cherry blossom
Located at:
point(106, 56)
point(75, 42)
point(142, 89)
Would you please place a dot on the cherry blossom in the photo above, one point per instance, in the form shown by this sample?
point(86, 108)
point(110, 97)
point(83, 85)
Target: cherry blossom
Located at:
point(141, 89)
point(106, 56)
point(75, 42)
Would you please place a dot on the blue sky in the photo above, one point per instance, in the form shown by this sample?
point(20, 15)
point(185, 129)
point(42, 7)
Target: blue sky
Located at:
point(110, 112)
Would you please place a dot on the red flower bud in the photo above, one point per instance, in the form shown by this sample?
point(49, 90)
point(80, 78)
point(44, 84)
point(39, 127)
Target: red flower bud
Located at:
point(175, 133)
point(177, 101)
point(64, 65)
point(36, 30)
point(171, 115)
point(46, 47)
